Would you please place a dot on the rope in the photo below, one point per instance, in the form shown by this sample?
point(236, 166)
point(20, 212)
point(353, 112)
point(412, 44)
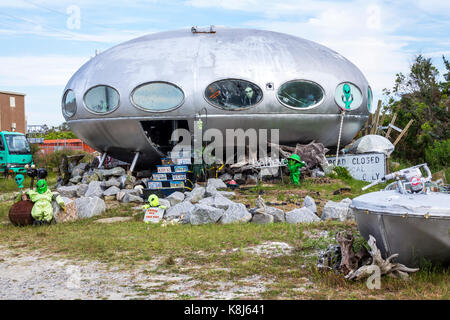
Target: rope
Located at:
point(339, 138)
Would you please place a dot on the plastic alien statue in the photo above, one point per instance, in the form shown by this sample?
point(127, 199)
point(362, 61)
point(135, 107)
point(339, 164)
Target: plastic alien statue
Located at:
point(248, 96)
point(347, 97)
point(294, 166)
point(42, 197)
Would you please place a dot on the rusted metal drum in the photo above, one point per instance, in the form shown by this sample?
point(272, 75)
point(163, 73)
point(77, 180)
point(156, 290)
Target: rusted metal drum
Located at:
point(20, 213)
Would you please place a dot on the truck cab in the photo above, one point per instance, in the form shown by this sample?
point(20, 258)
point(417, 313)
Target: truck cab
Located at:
point(15, 152)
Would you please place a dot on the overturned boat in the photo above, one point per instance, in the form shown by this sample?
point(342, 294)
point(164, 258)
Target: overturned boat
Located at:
point(410, 220)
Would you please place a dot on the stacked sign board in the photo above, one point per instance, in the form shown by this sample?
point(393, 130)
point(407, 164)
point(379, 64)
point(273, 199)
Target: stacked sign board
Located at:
point(171, 175)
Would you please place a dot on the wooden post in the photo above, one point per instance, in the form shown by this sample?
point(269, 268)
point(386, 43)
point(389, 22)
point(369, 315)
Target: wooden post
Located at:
point(392, 122)
point(376, 118)
point(382, 118)
point(403, 132)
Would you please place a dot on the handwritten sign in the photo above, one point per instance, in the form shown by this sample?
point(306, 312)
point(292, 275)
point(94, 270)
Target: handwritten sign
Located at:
point(153, 215)
point(366, 167)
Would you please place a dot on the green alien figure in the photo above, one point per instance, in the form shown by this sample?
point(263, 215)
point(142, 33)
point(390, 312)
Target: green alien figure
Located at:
point(294, 165)
point(42, 197)
point(19, 181)
point(347, 97)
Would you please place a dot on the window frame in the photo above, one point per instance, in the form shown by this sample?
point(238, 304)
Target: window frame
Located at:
point(156, 111)
point(238, 109)
point(100, 113)
point(369, 89)
point(63, 103)
point(307, 108)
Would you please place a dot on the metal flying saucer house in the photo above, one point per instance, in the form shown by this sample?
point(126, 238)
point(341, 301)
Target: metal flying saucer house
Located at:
point(130, 98)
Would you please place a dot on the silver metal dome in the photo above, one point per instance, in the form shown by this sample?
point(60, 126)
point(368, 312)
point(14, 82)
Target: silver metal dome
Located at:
point(192, 62)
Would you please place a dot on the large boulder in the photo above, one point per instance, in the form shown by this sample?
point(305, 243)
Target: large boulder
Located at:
point(179, 210)
point(227, 194)
point(175, 198)
point(70, 214)
point(337, 210)
point(210, 191)
point(196, 194)
point(129, 197)
point(217, 201)
point(216, 183)
point(68, 191)
point(88, 207)
point(111, 182)
point(94, 189)
point(262, 218)
point(235, 213)
point(309, 203)
point(204, 214)
point(79, 169)
point(278, 214)
point(117, 172)
point(82, 188)
point(111, 191)
point(75, 179)
point(301, 215)
point(121, 194)
point(165, 203)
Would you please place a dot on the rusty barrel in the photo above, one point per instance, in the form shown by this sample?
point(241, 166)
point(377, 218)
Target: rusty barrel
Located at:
point(20, 213)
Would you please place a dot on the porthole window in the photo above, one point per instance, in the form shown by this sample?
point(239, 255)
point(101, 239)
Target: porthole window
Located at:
point(370, 100)
point(157, 96)
point(348, 96)
point(300, 94)
point(233, 94)
point(69, 103)
point(101, 99)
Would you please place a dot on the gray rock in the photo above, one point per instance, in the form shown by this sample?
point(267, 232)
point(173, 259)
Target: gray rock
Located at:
point(79, 169)
point(122, 180)
point(117, 172)
point(178, 210)
point(236, 213)
point(301, 215)
point(226, 177)
point(196, 194)
point(94, 189)
point(337, 211)
point(67, 191)
point(82, 188)
point(204, 214)
point(75, 179)
point(227, 194)
point(128, 197)
point(165, 203)
point(111, 191)
point(111, 182)
point(175, 198)
point(210, 190)
point(239, 178)
point(123, 192)
point(216, 183)
point(87, 178)
point(88, 207)
point(217, 201)
point(317, 173)
point(278, 214)
point(262, 218)
point(309, 203)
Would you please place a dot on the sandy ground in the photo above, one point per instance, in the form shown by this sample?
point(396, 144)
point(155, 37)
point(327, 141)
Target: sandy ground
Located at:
point(25, 276)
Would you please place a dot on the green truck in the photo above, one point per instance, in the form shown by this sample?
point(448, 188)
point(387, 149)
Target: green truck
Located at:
point(15, 152)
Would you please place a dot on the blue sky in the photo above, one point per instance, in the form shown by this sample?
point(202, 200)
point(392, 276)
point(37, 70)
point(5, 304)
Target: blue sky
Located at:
point(41, 46)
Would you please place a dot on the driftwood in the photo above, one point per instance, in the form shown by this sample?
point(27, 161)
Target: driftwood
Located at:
point(349, 261)
point(385, 266)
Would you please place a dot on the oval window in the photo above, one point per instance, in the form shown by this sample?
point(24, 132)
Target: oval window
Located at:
point(69, 104)
point(348, 96)
point(157, 96)
point(233, 94)
point(300, 94)
point(370, 100)
point(101, 99)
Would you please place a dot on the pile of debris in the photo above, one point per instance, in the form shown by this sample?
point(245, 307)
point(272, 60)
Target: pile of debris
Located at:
point(360, 265)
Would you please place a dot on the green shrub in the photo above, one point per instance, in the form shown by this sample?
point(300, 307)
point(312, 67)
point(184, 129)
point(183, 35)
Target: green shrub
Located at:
point(437, 155)
point(51, 160)
point(341, 173)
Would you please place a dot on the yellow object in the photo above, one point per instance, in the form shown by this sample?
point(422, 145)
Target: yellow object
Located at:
point(153, 200)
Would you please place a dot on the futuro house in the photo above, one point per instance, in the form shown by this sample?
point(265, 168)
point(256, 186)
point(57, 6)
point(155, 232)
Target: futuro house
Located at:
point(130, 98)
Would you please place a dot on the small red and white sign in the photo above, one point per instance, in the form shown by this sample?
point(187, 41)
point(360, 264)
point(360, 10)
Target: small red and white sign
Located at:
point(153, 215)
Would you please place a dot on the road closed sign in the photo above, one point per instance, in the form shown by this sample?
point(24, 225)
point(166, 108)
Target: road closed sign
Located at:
point(366, 167)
